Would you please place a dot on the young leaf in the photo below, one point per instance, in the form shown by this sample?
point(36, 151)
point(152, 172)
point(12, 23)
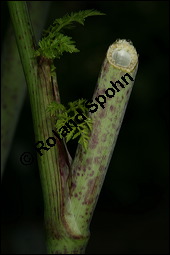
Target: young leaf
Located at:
point(79, 17)
point(64, 115)
point(54, 107)
point(54, 44)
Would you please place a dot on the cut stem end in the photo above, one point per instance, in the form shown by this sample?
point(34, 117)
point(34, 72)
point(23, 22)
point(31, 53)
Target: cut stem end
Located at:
point(122, 55)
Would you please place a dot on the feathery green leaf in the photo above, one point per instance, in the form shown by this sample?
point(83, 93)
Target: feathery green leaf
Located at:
point(55, 43)
point(67, 116)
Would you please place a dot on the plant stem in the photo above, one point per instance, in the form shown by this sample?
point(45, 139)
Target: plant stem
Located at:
point(62, 236)
point(89, 167)
point(13, 85)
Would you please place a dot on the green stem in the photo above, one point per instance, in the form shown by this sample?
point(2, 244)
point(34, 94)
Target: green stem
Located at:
point(62, 236)
point(13, 86)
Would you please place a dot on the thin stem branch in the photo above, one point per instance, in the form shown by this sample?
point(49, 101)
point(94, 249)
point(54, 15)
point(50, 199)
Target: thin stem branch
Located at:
point(13, 86)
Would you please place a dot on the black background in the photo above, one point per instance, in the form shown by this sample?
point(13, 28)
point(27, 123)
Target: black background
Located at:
point(132, 211)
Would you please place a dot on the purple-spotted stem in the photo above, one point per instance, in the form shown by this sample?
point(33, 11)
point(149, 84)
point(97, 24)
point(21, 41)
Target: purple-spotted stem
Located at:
point(89, 167)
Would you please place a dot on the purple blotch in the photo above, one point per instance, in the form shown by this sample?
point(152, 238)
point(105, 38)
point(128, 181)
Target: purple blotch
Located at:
point(111, 108)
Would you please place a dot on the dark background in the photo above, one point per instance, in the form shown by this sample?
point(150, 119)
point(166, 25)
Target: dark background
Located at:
point(131, 216)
